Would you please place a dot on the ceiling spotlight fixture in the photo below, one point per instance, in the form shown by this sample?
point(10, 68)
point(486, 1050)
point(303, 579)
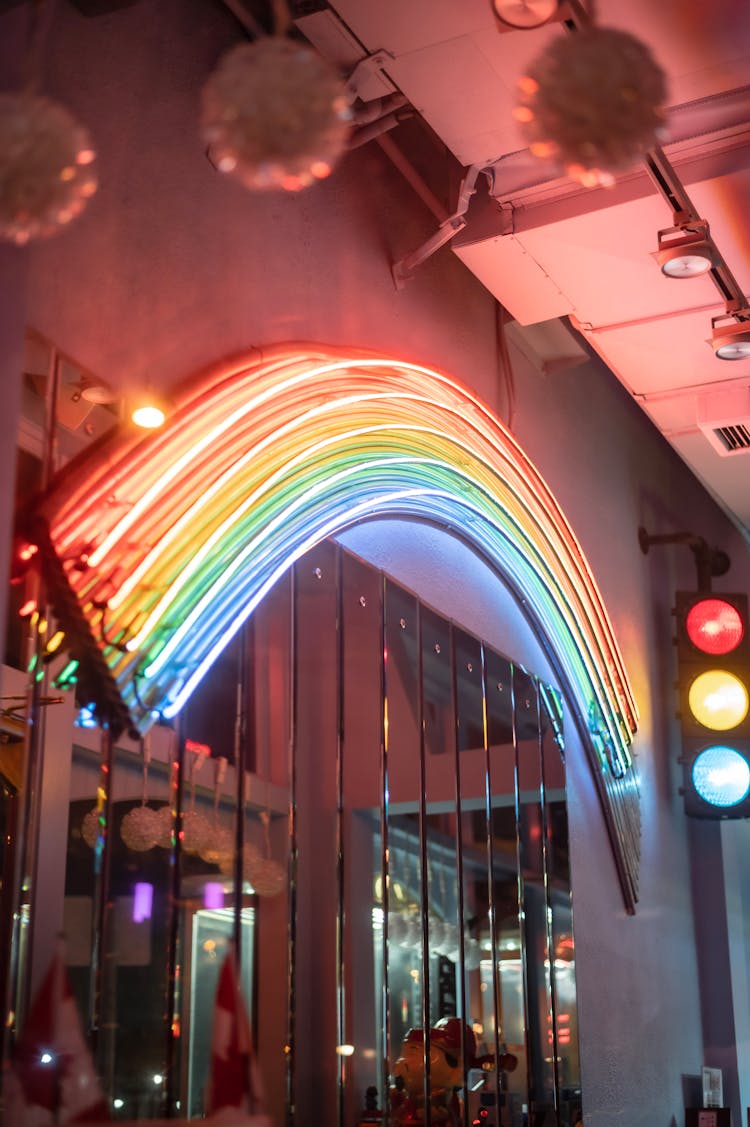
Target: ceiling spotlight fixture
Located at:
point(731, 341)
point(524, 13)
point(686, 251)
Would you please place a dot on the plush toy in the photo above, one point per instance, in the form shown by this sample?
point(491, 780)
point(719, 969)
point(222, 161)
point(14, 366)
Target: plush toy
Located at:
point(452, 1042)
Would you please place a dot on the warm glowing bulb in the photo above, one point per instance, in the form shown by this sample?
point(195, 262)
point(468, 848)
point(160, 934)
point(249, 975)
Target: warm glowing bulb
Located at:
point(148, 415)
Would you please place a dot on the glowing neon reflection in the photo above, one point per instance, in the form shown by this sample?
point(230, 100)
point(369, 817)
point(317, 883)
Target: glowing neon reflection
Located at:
point(169, 540)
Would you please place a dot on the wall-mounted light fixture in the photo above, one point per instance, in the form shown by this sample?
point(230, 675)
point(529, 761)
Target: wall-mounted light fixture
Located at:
point(686, 251)
point(731, 340)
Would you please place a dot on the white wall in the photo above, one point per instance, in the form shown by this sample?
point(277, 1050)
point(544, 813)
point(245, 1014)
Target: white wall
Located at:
point(172, 267)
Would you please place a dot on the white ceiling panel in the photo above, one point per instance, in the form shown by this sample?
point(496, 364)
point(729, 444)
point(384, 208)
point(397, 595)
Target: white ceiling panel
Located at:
point(544, 247)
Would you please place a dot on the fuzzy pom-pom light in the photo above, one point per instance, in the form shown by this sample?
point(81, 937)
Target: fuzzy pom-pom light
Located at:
point(593, 102)
point(275, 115)
point(46, 167)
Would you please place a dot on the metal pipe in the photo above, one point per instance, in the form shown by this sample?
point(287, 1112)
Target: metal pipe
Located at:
point(290, 1056)
point(340, 979)
point(491, 871)
point(423, 866)
point(384, 847)
point(461, 968)
point(240, 742)
point(177, 783)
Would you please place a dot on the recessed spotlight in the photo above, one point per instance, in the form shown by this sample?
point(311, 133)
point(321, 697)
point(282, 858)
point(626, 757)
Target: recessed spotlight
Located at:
point(685, 252)
point(524, 13)
point(732, 341)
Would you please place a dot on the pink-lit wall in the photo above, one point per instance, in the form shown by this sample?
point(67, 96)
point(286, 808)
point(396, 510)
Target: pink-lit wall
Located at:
point(172, 267)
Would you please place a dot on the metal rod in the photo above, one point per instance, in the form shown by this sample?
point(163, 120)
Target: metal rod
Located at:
point(102, 868)
point(240, 743)
point(488, 792)
point(423, 866)
point(548, 904)
point(177, 784)
point(340, 979)
point(384, 847)
point(520, 868)
point(291, 1111)
point(461, 969)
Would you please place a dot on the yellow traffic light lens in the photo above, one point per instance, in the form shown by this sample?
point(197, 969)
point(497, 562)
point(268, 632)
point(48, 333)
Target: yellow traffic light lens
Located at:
point(718, 700)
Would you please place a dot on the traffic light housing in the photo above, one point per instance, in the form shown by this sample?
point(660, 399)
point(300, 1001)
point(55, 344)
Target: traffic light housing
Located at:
point(713, 658)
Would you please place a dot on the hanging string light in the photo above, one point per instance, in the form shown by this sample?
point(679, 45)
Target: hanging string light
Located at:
point(593, 102)
point(275, 114)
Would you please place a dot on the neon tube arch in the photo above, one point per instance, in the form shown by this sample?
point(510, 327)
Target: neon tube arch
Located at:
point(158, 546)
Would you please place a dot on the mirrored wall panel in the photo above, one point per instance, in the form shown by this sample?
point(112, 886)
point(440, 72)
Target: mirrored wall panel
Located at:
point(363, 809)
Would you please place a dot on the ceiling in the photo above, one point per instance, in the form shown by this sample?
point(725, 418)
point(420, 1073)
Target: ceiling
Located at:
point(548, 248)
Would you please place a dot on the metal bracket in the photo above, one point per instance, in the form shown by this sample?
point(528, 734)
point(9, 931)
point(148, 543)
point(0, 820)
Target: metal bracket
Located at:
point(405, 267)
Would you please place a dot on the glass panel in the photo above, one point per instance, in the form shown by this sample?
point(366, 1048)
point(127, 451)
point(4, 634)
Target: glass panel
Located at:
point(404, 956)
point(534, 900)
point(363, 978)
point(317, 728)
point(473, 763)
point(504, 994)
point(561, 914)
point(418, 753)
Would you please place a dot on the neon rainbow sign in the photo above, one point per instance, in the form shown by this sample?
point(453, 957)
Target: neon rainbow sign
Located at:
point(158, 546)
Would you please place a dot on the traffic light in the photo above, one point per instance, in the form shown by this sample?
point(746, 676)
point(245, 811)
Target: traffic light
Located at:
point(713, 658)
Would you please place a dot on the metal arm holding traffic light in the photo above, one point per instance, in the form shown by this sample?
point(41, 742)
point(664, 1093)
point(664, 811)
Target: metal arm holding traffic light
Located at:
point(710, 562)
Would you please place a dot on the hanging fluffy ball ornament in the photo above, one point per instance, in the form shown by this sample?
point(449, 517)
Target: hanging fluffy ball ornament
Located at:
point(164, 826)
point(196, 831)
point(46, 167)
point(275, 114)
point(593, 102)
point(218, 847)
point(140, 829)
point(90, 827)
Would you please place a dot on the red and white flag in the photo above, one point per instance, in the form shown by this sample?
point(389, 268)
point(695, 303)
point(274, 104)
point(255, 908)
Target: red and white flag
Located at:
point(234, 1081)
point(51, 1078)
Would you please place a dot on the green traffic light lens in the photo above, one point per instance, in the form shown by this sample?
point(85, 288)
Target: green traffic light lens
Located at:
point(718, 700)
point(721, 776)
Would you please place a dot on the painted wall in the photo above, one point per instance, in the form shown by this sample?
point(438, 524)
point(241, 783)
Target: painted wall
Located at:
point(172, 267)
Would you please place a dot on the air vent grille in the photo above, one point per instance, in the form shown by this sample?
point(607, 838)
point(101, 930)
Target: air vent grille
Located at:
point(734, 438)
point(724, 417)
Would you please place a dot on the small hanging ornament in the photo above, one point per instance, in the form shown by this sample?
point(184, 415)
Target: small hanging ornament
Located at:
point(164, 820)
point(90, 827)
point(275, 115)
point(141, 828)
point(593, 103)
point(46, 167)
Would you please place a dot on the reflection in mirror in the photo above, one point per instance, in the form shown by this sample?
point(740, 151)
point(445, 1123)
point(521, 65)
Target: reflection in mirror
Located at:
point(411, 782)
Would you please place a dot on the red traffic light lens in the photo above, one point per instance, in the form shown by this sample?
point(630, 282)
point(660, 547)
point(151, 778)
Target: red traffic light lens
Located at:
point(714, 626)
